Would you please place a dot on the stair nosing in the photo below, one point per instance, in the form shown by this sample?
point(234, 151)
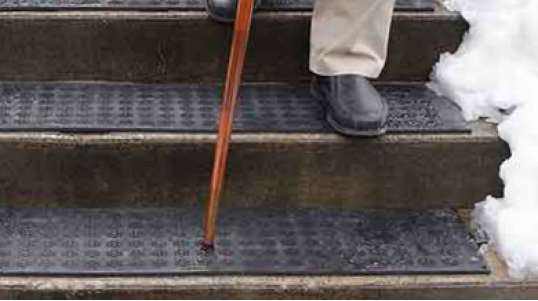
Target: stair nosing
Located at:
point(174, 15)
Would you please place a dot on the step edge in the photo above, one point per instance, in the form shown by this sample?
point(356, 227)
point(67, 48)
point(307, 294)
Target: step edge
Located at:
point(441, 15)
point(279, 284)
point(481, 133)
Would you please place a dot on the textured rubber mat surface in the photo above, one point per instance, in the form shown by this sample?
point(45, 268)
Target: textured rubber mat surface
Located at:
point(272, 5)
point(255, 241)
point(84, 107)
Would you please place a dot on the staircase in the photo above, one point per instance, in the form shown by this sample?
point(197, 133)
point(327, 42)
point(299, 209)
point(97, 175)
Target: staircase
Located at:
point(79, 167)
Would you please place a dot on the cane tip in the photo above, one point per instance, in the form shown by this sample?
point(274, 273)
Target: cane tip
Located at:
point(207, 246)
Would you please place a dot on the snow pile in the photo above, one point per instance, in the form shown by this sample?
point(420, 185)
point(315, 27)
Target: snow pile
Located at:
point(494, 75)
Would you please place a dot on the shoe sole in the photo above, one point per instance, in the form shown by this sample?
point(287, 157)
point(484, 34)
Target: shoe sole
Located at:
point(352, 132)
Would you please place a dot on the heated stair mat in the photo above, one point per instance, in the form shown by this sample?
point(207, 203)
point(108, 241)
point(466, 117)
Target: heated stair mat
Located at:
point(250, 242)
point(268, 5)
point(97, 107)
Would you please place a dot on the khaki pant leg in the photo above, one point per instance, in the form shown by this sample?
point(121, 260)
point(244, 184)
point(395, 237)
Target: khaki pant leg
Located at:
point(350, 36)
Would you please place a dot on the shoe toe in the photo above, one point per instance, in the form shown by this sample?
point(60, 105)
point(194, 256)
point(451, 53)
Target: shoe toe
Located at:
point(354, 107)
point(225, 10)
point(222, 10)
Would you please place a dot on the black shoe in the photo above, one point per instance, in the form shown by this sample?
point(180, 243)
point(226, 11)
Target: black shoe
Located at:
point(224, 10)
point(354, 107)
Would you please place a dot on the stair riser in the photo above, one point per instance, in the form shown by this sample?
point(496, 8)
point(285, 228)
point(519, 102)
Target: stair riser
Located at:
point(396, 172)
point(188, 47)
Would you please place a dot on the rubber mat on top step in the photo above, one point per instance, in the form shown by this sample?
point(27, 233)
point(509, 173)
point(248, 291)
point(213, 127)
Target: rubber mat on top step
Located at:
point(86, 107)
point(269, 5)
point(250, 242)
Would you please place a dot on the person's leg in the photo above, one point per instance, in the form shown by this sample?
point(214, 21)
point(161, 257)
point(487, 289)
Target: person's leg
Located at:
point(350, 37)
point(349, 44)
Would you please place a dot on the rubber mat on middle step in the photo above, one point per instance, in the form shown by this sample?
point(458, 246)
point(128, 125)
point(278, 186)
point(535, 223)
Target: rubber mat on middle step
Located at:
point(93, 107)
point(270, 5)
point(250, 242)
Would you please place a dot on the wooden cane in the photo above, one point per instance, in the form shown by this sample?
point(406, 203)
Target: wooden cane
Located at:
point(236, 61)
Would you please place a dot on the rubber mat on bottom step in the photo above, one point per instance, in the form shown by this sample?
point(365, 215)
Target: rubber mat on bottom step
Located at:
point(250, 242)
point(86, 107)
point(269, 5)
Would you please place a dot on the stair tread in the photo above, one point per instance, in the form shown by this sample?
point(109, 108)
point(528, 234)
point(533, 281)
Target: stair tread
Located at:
point(194, 108)
point(269, 5)
point(250, 241)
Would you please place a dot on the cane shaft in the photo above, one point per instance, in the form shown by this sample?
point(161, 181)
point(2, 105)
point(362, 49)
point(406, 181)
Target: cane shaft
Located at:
point(233, 81)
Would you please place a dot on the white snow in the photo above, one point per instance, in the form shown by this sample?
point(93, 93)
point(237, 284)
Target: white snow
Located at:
point(494, 75)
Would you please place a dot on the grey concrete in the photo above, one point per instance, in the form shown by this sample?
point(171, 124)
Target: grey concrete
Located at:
point(189, 47)
point(495, 286)
point(308, 170)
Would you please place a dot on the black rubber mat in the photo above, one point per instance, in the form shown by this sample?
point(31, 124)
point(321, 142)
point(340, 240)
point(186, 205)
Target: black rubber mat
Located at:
point(271, 5)
point(85, 107)
point(255, 241)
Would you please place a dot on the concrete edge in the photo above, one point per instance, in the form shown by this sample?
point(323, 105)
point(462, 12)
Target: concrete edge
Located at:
point(439, 14)
point(481, 132)
point(349, 286)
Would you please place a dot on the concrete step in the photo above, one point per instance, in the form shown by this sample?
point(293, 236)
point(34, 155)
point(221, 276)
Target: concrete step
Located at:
point(497, 285)
point(427, 166)
point(277, 170)
point(179, 46)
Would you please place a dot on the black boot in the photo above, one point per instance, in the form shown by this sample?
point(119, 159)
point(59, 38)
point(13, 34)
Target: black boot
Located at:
point(354, 107)
point(224, 10)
